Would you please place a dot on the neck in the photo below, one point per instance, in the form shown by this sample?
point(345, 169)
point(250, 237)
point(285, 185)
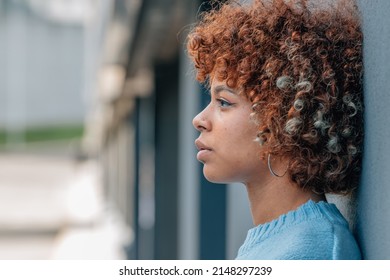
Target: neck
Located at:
point(276, 196)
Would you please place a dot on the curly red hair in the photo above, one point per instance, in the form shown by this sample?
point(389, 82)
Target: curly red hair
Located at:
point(301, 67)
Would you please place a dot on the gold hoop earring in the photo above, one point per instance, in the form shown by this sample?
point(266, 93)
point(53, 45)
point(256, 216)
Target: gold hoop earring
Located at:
point(271, 171)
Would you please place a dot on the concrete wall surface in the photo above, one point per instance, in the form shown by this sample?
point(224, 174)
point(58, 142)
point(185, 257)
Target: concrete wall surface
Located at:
point(373, 224)
point(41, 70)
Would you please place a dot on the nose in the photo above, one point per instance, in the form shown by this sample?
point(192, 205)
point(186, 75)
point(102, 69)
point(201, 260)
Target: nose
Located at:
point(200, 122)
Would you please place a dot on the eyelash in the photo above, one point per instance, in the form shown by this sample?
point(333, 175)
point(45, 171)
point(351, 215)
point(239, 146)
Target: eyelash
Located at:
point(223, 103)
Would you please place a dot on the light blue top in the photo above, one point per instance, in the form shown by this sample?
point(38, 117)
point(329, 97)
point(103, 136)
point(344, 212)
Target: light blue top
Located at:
point(314, 231)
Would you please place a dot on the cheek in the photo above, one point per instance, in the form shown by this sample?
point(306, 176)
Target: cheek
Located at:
point(249, 149)
point(245, 136)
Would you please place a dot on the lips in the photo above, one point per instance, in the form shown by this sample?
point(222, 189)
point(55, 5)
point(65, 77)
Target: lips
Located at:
point(199, 144)
point(204, 151)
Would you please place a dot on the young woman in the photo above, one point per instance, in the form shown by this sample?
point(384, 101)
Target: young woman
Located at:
point(285, 119)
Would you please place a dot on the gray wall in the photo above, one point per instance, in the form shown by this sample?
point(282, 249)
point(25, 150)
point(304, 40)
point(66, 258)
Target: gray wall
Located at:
point(373, 225)
point(41, 69)
point(239, 219)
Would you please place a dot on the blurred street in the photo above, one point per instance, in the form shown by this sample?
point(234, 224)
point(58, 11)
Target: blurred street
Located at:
point(52, 207)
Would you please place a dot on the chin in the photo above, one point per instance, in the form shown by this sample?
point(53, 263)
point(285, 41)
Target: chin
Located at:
point(214, 178)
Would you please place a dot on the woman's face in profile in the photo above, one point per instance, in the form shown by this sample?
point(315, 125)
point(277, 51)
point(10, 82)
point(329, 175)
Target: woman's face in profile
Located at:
point(226, 143)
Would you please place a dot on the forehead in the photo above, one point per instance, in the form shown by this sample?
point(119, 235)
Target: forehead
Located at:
point(217, 86)
point(214, 82)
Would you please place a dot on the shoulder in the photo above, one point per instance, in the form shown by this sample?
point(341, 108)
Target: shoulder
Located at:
point(320, 239)
point(317, 231)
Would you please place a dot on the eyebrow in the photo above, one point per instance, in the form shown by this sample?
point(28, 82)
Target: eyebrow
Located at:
point(220, 88)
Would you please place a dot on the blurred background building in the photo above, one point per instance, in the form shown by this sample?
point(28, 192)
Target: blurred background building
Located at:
point(97, 155)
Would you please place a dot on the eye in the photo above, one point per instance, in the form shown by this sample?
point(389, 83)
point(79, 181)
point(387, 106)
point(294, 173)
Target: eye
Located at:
point(223, 103)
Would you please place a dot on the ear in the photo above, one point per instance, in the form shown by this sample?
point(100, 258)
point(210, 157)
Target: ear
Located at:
point(263, 136)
